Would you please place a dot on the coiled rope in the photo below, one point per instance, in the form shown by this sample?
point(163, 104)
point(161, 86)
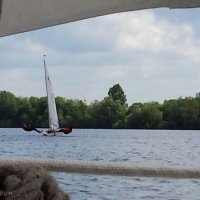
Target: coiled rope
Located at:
point(106, 169)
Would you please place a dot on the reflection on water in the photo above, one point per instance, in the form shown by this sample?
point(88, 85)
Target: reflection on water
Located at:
point(121, 146)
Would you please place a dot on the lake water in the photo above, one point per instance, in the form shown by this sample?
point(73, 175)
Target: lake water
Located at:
point(144, 147)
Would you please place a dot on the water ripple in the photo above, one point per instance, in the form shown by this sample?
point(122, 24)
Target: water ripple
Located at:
point(120, 146)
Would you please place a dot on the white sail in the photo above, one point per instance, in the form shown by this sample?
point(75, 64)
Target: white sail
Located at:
point(25, 15)
point(52, 111)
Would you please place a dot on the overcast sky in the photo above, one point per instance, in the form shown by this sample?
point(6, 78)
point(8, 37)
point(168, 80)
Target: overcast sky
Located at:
point(153, 54)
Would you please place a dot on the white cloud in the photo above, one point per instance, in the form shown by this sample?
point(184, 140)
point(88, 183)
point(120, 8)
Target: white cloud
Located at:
point(148, 70)
point(145, 31)
point(22, 82)
point(140, 50)
point(109, 72)
point(33, 46)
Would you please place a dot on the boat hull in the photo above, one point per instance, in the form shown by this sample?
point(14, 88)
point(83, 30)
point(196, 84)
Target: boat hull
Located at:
point(52, 134)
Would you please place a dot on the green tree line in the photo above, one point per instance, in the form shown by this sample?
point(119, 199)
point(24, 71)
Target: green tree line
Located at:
point(112, 112)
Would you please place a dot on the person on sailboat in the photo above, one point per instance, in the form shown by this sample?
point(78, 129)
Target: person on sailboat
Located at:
point(65, 130)
point(28, 127)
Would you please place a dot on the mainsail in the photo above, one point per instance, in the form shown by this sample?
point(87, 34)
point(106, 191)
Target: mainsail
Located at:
point(52, 111)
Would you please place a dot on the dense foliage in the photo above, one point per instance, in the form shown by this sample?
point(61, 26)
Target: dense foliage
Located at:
point(111, 112)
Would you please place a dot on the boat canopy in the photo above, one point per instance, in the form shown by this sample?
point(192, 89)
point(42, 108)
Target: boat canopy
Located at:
point(18, 16)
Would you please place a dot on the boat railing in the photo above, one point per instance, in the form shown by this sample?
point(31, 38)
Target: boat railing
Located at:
point(97, 168)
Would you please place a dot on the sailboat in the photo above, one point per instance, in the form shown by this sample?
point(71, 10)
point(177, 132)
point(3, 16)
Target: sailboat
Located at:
point(54, 129)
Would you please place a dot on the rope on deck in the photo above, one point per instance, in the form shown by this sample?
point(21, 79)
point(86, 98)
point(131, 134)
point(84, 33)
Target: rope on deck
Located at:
point(106, 169)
